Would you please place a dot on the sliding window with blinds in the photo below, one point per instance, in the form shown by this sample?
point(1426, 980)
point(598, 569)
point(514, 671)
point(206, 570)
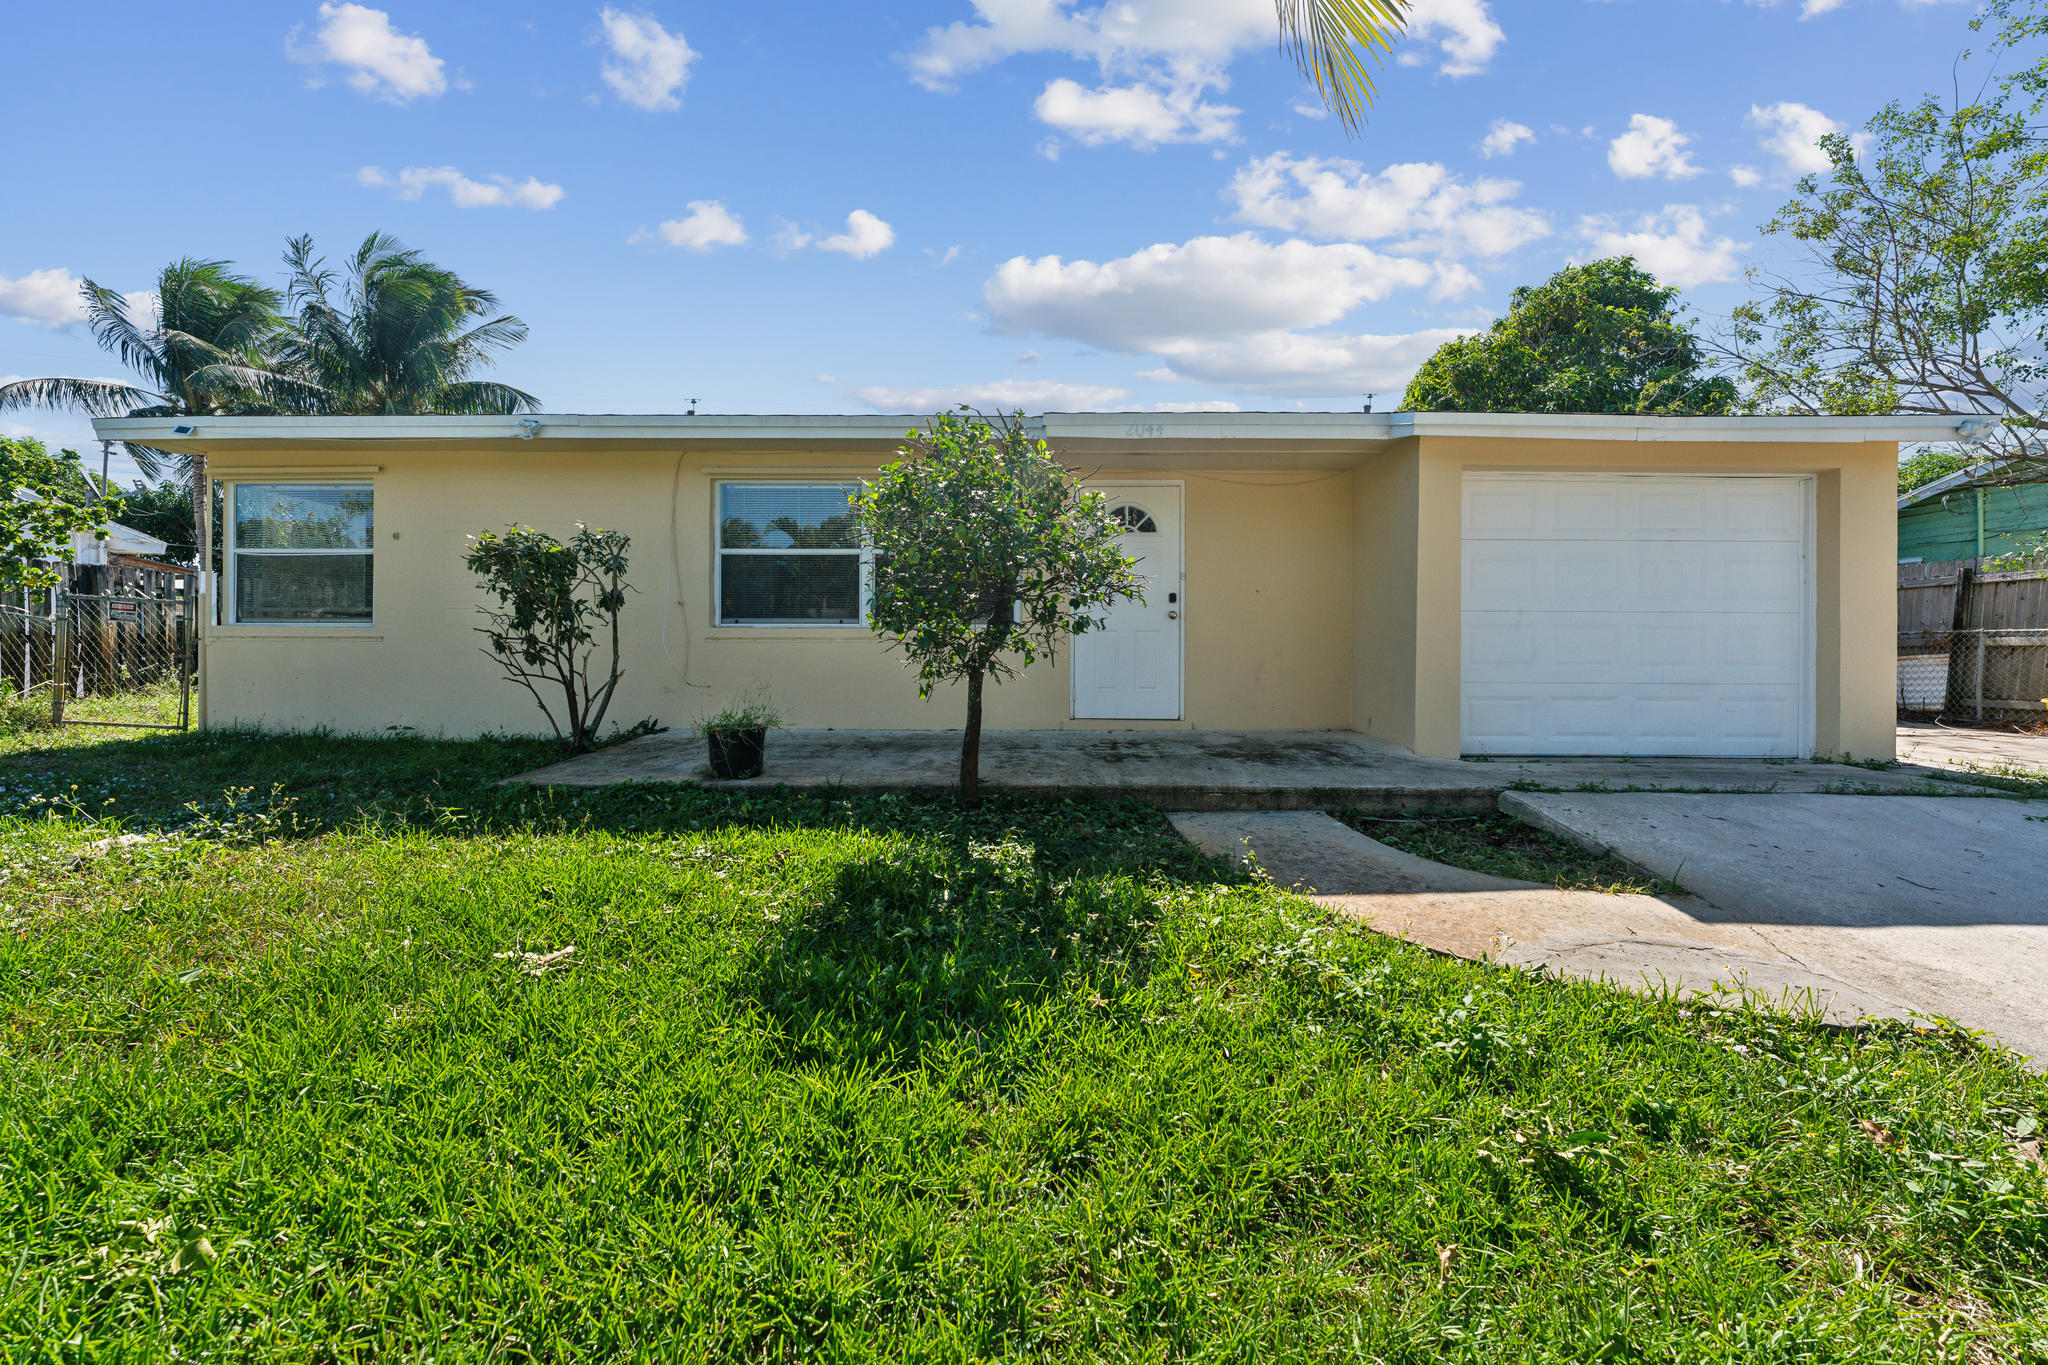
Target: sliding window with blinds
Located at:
point(789, 554)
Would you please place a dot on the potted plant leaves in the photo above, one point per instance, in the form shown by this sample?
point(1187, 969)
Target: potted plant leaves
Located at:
point(736, 738)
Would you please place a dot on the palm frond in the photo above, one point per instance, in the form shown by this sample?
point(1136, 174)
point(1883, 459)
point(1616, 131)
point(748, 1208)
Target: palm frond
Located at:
point(95, 397)
point(485, 397)
point(107, 313)
point(1329, 39)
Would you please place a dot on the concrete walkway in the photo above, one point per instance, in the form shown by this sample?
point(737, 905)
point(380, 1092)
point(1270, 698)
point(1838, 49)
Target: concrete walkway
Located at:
point(1201, 769)
point(1642, 943)
point(1939, 904)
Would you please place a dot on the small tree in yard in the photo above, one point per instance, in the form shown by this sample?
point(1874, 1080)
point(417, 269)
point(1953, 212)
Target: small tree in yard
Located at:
point(556, 604)
point(987, 555)
point(40, 526)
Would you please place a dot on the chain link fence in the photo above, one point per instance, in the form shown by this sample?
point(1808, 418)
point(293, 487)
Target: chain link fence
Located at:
point(1977, 675)
point(119, 660)
point(28, 653)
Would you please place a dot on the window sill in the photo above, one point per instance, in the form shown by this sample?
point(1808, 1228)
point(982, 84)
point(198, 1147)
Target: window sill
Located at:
point(336, 632)
point(789, 635)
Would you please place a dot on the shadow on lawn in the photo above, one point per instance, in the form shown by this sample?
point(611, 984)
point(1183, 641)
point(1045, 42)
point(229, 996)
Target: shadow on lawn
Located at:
point(949, 942)
point(311, 783)
point(939, 934)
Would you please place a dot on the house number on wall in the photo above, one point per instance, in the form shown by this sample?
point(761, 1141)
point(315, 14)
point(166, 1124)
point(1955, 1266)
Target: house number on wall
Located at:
point(1145, 429)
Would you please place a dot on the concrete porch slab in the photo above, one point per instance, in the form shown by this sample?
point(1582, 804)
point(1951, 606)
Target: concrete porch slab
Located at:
point(1195, 770)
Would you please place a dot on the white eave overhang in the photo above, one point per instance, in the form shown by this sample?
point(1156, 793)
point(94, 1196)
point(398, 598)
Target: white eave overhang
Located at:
point(1134, 432)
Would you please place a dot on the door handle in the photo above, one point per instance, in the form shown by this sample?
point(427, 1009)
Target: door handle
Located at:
point(1173, 616)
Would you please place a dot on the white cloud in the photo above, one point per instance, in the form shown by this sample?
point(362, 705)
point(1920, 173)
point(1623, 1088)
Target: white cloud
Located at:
point(1745, 177)
point(651, 64)
point(1179, 34)
point(1308, 108)
point(1031, 395)
point(1143, 115)
point(50, 298)
point(1672, 245)
point(501, 191)
point(1813, 9)
point(865, 236)
point(1504, 137)
point(1156, 58)
point(1306, 363)
point(1417, 206)
point(1462, 32)
point(706, 225)
point(1791, 132)
point(1210, 287)
point(47, 298)
point(379, 60)
point(1232, 312)
point(1651, 146)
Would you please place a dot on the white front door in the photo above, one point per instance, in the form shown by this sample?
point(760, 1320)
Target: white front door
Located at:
point(1638, 614)
point(1131, 671)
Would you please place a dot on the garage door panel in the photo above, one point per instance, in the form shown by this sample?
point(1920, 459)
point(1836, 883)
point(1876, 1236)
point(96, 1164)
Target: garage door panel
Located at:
point(1592, 719)
point(1635, 614)
point(1691, 649)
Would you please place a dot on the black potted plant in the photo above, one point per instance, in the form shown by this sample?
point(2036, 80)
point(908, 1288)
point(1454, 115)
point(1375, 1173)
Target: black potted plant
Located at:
point(737, 737)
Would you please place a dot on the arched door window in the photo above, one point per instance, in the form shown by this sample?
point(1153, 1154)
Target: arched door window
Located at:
point(1131, 517)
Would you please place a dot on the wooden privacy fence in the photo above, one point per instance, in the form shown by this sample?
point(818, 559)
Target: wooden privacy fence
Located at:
point(1973, 644)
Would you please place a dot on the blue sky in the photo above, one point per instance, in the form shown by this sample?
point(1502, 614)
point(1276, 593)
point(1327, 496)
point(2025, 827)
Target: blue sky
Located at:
point(810, 207)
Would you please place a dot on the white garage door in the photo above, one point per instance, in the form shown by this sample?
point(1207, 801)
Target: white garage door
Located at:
point(1637, 614)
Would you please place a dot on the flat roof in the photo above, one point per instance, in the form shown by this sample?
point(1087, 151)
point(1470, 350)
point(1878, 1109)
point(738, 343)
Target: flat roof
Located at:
point(1351, 429)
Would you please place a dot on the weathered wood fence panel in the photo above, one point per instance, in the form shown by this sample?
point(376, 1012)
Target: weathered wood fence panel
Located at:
point(1990, 629)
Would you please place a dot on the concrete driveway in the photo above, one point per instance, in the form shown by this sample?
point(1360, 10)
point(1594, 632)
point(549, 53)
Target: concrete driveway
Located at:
point(1939, 905)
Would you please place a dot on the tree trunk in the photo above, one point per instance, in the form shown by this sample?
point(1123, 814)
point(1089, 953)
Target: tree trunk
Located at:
point(970, 746)
point(202, 555)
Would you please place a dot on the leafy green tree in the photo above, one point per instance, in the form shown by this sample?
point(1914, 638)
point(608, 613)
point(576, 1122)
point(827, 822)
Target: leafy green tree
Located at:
point(556, 604)
point(393, 333)
point(45, 500)
point(1600, 337)
point(1929, 463)
point(1919, 279)
point(987, 555)
point(209, 350)
point(164, 510)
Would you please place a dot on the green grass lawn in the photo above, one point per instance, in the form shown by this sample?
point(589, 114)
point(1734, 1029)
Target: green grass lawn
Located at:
point(870, 1080)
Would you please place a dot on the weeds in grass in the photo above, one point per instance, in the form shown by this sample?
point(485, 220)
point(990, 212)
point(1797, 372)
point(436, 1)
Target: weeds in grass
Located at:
point(1503, 846)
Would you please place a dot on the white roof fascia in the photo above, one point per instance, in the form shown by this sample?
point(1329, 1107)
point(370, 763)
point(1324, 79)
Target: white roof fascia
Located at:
point(1611, 427)
point(1139, 427)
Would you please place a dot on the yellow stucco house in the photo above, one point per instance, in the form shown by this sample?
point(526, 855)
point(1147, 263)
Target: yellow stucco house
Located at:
point(1475, 584)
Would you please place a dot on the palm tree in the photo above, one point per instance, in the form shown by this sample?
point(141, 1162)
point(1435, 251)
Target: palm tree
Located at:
point(208, 351)
point(393, 333)
point(1328, 38)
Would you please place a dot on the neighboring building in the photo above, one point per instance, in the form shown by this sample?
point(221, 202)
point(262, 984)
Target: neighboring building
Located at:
point(1961, 517)
point(1453, 583)
point(124, 556)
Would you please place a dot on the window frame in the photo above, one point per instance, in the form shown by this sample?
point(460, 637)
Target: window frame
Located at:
point(864, 552)
point(231, 552)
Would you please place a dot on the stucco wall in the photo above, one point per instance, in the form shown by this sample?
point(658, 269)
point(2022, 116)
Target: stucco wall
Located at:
point(1268, 616)
point(1314, 598)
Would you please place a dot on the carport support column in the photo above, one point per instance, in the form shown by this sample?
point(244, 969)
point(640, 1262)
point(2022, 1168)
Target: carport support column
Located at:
point(1439, 623)
point(1856, 604)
